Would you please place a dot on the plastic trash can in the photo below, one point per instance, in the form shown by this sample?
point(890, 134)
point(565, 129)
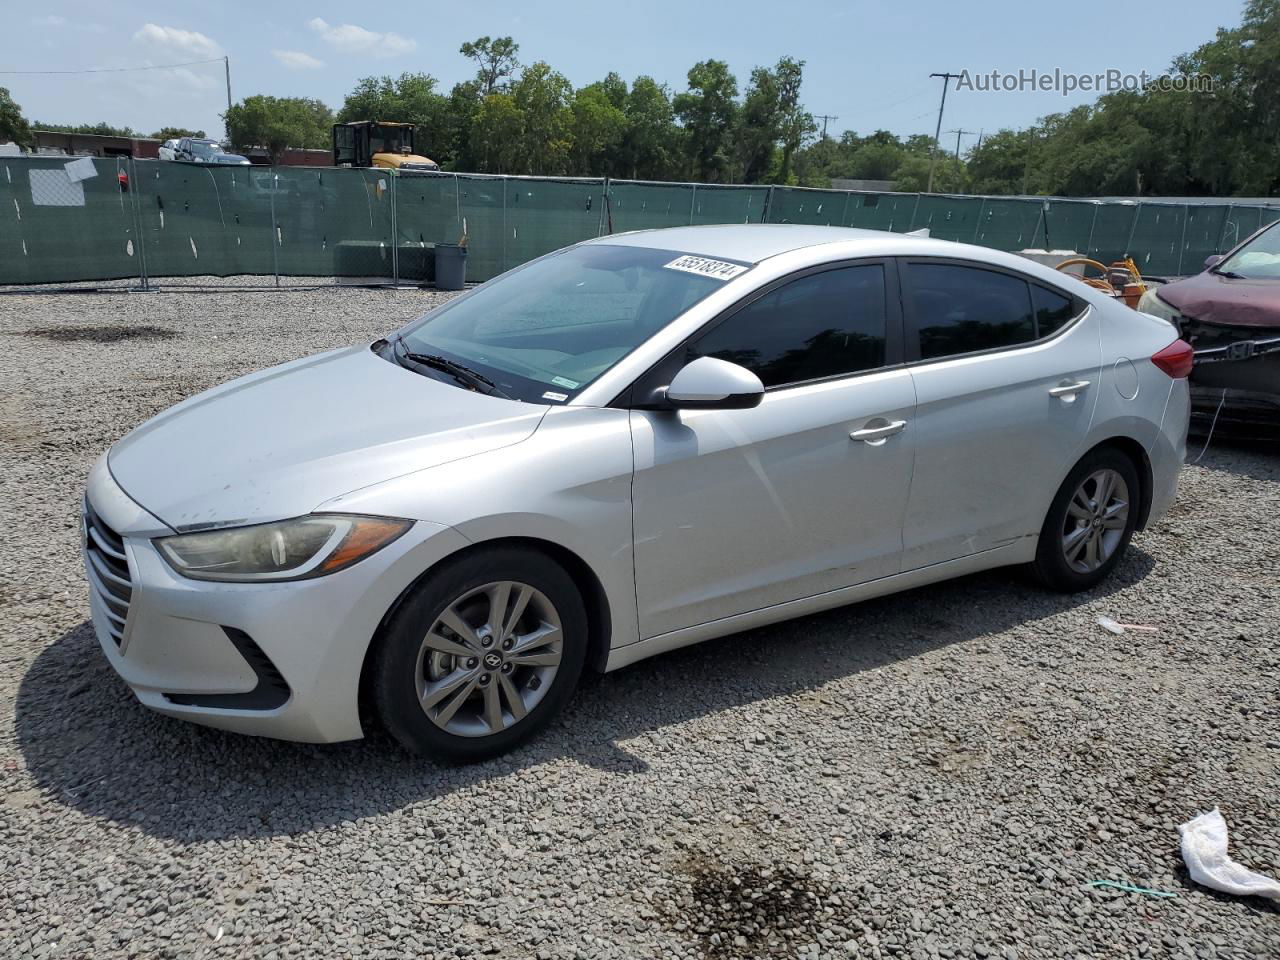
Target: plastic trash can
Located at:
point(451, 266)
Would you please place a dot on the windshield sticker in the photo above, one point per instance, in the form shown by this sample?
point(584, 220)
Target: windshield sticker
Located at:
point(557, 397)
point(565, 382)
point(715, 269)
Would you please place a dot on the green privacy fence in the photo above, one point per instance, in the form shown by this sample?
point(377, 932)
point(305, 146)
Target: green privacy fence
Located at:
point(89, 219)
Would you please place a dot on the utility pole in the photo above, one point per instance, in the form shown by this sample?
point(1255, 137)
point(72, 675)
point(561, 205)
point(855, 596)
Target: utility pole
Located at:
point(824, 117)
point(226, 65)
point(933, 154)
point(959, 134)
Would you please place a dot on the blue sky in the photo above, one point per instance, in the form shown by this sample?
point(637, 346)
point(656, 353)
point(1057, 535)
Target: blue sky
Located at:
point(867, 62)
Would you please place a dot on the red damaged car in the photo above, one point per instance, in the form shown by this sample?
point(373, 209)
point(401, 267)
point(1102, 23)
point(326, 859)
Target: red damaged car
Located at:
point(1230, 314)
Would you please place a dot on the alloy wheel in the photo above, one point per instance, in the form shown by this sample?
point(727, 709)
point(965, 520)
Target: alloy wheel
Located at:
point(1097, 516)
point(489, 659)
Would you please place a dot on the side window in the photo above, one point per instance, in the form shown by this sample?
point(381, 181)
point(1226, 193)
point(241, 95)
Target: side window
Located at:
point(1053, 310)
point(822, 325)
point(964, 309)
point(344, 140)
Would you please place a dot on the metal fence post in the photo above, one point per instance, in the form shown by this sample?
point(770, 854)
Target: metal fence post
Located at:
point(275, 229)
point(844, 211)
point(911, 224)
point(395, 231)
point(1088, 245)
point(977, 223)
point(768, 203)
point(1222, 231)
point(503, 265)
point(1137, 215)
point(136, 206)
point(1182, 241)
point(693, 199)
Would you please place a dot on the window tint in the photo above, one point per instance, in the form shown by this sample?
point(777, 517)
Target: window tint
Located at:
point(964, 309)
point(1053, 310)
point(822, 325)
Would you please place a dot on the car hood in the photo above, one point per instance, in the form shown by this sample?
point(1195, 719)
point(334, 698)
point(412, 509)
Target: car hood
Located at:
point(278, 443)
point(1212, 298)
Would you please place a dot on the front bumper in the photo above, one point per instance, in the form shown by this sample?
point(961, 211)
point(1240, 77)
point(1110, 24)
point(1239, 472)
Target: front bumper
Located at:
point(272, 659)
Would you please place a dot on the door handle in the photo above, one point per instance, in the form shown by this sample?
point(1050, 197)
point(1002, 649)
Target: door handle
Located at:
point(1068, 389)
point(880, 433)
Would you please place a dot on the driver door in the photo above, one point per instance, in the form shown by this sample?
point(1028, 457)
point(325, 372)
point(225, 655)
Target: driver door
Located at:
point(736, 510)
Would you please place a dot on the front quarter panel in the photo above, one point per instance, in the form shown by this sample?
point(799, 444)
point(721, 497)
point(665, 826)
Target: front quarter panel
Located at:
point(569, 484)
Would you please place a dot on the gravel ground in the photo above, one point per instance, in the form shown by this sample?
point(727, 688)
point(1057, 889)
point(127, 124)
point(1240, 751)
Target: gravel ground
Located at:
point(940, 773)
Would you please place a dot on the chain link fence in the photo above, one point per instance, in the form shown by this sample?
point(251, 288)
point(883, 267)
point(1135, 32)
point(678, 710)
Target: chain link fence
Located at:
point(143, 223)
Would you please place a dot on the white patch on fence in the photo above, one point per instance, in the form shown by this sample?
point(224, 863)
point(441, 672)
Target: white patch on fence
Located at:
point(128, 247)
point(81, 169)
point(53, 188)
point(194, 252)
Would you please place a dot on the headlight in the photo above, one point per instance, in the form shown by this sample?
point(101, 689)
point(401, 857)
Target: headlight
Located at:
point(1151, 303)
point(289, 550)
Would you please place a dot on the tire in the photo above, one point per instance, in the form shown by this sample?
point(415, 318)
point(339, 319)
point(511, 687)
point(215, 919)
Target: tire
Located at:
point(1097, 537)
point(434, 687)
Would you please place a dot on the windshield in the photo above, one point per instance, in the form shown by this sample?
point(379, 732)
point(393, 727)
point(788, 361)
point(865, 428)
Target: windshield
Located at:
point(544, 332)
point(205, 149)
point(1259, 258)
point(390, 140)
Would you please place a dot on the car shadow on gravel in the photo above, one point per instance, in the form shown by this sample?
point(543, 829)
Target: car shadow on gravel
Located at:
point(92, 747)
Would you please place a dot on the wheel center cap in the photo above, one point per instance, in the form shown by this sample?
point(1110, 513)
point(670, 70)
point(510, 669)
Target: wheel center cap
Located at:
point(492, 660)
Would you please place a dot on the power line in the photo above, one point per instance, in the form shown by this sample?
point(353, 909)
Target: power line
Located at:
point(164, 66)
point(824, 117)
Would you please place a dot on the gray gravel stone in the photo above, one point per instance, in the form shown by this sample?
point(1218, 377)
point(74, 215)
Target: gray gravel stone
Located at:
point(938, 774)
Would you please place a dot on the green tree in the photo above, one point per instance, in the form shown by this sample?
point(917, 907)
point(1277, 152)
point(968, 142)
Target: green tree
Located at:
point(708, 111)
point(94, 129)
point(596, 128)
point(650, 146)
point(496, 135)
point(495, 61)
point(279, 122)
point(795, 124)
point(13, 125)
point(541, 96)
point(176, 133)
point(759, 127)
point(409, 98)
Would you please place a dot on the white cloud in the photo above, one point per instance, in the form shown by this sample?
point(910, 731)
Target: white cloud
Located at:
point(177, 40)
point(297, 60)
point(349, 38)
point(49, 21)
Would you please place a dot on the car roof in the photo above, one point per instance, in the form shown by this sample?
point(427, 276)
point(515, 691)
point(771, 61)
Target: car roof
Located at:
point(754, 242)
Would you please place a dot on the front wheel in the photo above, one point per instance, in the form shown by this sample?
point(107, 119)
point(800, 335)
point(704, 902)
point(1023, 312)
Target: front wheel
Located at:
point(1090, 522)
point(484, 653)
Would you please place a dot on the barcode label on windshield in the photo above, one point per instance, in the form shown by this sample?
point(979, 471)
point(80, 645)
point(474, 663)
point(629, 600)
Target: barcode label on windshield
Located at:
point(715, 269)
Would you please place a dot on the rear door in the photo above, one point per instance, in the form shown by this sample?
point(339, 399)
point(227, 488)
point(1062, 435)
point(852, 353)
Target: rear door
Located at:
point(1006, 373)
point(736, 510)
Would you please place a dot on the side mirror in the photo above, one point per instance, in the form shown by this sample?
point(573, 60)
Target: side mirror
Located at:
point(712, 384)
point(1212, 260)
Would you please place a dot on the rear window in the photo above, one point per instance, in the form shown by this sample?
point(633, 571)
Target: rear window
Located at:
point(1053, 310)
point(959, 309)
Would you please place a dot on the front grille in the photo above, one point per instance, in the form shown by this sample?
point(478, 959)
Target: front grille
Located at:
point(108, 570)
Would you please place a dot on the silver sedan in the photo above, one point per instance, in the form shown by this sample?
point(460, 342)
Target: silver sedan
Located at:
point(623, 447)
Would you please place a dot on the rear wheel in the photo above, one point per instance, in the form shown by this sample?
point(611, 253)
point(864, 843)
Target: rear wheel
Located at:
point(483, 655)
point(1090, 522)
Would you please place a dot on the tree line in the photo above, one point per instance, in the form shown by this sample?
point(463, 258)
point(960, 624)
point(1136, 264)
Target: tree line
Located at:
point(529, 119)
